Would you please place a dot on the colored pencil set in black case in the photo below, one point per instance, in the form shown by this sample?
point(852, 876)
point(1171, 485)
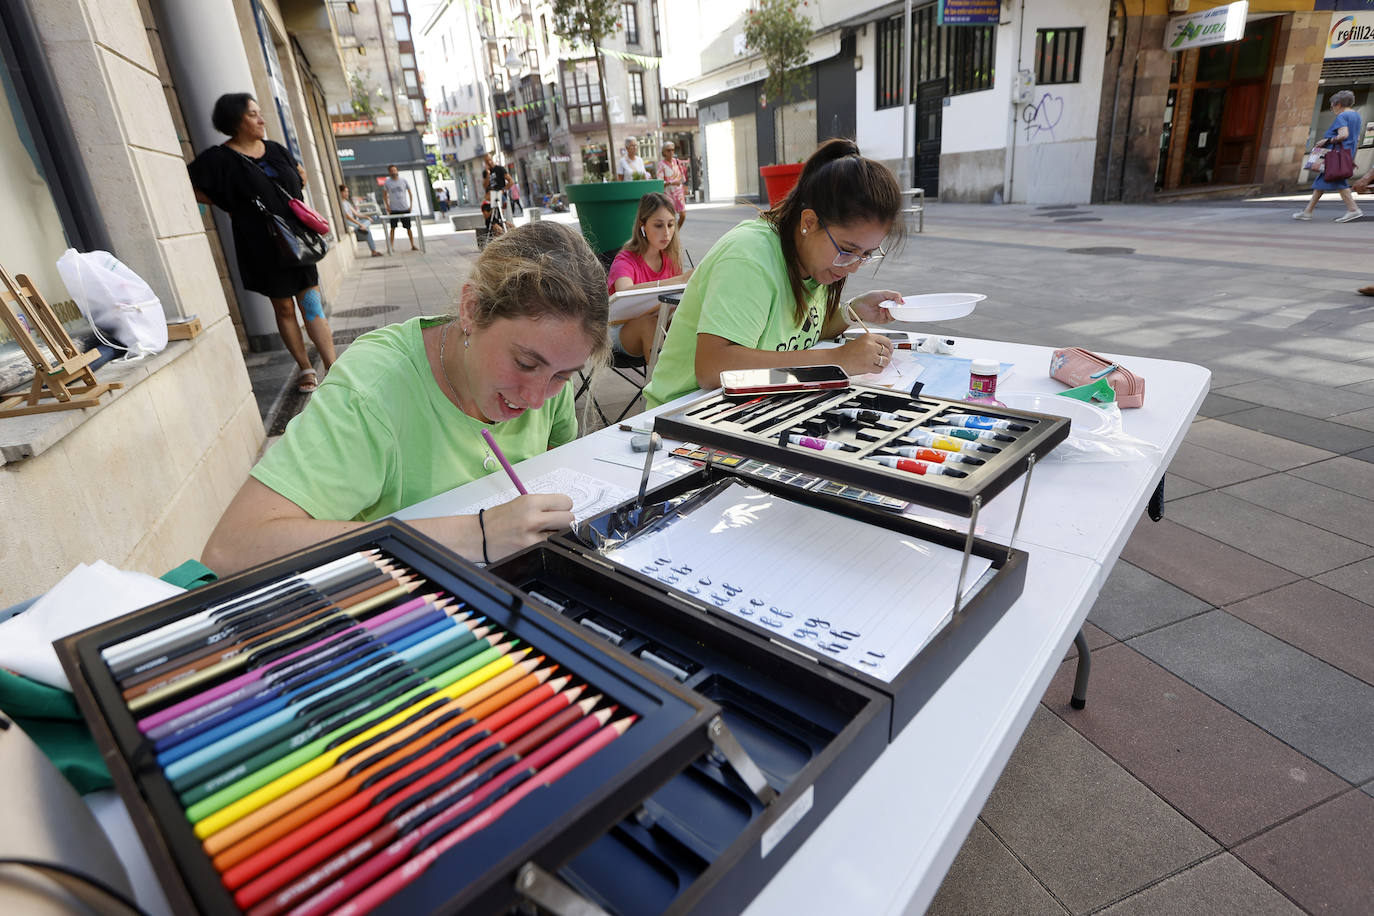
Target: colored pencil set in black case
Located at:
point(397, 740)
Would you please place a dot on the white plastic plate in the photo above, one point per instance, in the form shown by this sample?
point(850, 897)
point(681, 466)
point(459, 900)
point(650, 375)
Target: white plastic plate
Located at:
point(1085, 417)
point(933, 306)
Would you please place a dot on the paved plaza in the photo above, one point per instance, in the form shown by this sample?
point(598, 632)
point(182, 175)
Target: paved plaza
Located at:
point(1225, 761)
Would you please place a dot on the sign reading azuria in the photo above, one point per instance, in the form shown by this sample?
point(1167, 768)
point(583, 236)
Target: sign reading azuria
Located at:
point(1206, 27)
point(969, 12)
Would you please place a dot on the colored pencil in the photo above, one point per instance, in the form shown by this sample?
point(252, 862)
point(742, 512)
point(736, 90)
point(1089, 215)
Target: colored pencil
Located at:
point(253, 733)
point(346, 789)
point(183, 684)
point(114, 653)
point(287, 666)
point(441, 786)
point(384, 636)
point(257, 789)
point(371, 882)
point(501, 457)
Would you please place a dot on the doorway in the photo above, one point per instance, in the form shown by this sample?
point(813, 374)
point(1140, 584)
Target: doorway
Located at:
point(930, 110)
point(1214, 119)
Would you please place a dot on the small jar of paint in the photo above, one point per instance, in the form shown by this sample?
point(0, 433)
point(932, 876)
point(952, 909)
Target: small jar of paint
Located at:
point(982, 378)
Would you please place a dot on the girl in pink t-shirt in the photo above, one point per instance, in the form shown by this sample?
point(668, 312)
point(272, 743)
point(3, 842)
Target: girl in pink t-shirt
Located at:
point(650, 258)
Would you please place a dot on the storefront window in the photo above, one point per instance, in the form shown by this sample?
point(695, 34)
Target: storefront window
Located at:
point(32, 230)
point(594, 164)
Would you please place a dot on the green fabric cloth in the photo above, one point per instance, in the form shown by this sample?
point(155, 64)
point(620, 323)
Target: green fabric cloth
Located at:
point(191, 574)
point(380, 434)
point(1098, 391)
point(740, 292)
point(49, 716)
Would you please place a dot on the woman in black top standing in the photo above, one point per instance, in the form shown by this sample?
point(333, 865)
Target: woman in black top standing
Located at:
point(232, 177)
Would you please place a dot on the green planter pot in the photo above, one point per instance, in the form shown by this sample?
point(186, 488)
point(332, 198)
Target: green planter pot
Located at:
point(606, 211)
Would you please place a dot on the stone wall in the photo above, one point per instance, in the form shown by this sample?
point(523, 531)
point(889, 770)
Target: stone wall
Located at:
point(1297, 70)
point(142, 481)
point(1135, 93)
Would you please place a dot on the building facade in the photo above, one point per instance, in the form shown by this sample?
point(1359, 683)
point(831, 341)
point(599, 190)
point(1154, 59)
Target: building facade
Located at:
point(106, 101)
point(509, 85)
point(1033, 101)
point(377, 107)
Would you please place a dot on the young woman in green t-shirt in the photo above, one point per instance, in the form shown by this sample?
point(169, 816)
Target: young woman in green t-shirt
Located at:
point(400, 417)
point(772, 287)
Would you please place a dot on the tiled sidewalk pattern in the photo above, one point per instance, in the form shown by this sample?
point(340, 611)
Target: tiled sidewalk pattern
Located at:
point(1225, 761)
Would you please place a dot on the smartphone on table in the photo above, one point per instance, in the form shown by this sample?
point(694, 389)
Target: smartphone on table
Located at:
point(741, 382)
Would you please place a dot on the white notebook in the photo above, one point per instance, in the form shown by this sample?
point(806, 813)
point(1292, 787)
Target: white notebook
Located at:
point(635, 302)
point(809, 576)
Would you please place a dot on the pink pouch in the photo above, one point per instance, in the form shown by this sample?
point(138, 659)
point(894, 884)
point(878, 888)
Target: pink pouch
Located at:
point(1075, 366)
point(308, 217)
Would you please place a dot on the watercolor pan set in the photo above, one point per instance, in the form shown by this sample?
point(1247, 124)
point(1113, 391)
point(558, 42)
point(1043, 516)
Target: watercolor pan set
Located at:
point(930, 451)
point(373, 725)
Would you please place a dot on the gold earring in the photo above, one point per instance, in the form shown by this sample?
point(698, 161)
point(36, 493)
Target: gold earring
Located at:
point(803, 232)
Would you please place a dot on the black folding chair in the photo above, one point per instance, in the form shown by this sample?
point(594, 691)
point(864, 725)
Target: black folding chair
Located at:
point(634, 369)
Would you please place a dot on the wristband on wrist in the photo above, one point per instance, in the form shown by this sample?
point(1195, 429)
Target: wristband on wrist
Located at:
point(481, 523)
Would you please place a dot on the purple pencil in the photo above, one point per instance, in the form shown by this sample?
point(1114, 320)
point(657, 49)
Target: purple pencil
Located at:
point(510, 471)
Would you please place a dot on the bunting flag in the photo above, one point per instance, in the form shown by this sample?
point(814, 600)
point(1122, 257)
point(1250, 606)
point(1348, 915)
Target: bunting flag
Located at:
point(650, 62)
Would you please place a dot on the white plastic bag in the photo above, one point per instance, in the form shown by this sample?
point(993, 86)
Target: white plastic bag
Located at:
point(119, 304)
point(1316, 160)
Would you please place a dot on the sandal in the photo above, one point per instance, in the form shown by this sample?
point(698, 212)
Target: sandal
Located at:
point(306, 381)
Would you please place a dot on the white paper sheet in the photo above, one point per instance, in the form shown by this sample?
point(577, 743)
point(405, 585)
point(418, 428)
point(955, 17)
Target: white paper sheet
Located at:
point(904, 362)
point(86, 596)
point(590, 495)
point(809, 576)
point(635, 302)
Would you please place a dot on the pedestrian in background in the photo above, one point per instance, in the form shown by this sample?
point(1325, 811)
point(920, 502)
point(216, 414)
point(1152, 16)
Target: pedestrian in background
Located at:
point(362, 226)
point(514, 192)
point(673, 172)
point(398, 201)
point(400, 419)
point(1344, 132)
point(631, 167)
point(442, 195)
point(236, 176)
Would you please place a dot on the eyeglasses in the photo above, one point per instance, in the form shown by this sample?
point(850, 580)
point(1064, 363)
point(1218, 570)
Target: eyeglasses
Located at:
point(848, 258)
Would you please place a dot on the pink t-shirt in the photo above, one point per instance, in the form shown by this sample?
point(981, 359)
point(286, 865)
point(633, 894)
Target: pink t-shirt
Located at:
point(629, 264)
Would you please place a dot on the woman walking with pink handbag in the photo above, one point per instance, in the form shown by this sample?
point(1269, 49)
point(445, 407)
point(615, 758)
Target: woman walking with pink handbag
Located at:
point(1340, 140)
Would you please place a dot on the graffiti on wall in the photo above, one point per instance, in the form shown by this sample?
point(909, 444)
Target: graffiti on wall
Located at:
point(1043, 116)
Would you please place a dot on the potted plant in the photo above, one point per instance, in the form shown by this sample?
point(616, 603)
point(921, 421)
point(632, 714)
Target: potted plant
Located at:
point(605, 211)
point(778, 33)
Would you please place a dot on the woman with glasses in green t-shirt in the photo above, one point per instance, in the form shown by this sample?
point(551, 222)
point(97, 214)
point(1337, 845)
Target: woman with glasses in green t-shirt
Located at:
point(772, 287)
point(400, 418)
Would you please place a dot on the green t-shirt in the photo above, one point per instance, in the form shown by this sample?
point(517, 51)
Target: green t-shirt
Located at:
point(380, 434)
point(740, 292)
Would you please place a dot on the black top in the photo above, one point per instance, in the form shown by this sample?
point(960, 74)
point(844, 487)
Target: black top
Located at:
point(496, 181)
point(233, 181)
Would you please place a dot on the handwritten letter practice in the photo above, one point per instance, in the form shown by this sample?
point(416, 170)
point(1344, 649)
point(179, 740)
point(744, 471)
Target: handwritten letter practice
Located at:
point(810, 577)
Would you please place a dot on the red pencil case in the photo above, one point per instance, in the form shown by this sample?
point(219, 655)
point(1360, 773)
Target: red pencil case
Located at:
point(1075, 366)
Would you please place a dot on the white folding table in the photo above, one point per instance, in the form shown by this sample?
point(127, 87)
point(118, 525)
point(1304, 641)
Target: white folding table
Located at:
point(886, 847)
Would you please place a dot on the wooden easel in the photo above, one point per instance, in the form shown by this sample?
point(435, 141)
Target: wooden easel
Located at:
point(63, 381)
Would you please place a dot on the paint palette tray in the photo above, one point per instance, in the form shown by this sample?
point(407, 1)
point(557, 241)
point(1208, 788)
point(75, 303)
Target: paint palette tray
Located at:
point(929, 451)
point(527, 827)
point(707, 841)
